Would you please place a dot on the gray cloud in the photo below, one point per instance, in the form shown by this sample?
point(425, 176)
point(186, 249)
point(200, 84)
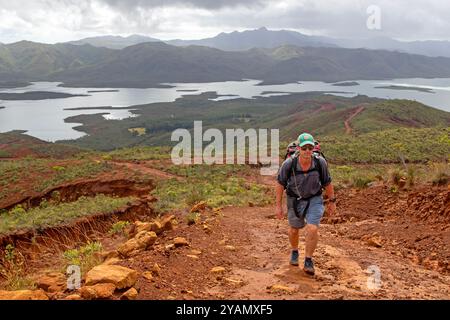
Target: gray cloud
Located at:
point(204, 4)
point(63, 20)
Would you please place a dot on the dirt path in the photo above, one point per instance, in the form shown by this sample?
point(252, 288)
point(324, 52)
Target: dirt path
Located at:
point(343, 266)
point(253, 248)
point(348, 128)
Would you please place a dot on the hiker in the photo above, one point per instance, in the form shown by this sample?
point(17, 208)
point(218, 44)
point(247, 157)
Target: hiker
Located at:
point(317, 151)
point(303, 177)
point(291, 150)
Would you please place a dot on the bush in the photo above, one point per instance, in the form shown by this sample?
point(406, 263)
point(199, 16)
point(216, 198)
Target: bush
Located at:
point(440, 173)
point(361, 182)
point(397, 176)
point(84, 257)
point(411, 176)
point(12, 269)
point(193, 218)
point(118, 227)
point(194, 197)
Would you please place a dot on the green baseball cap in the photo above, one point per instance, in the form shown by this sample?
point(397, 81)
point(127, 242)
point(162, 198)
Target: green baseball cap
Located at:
point(304, 139)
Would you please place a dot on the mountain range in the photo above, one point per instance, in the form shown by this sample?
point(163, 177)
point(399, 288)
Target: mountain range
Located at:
point(151, 63)
point(114, 42)
point(264, 38)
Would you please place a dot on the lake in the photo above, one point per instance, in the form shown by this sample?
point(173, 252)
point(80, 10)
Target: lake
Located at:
point(44, 119)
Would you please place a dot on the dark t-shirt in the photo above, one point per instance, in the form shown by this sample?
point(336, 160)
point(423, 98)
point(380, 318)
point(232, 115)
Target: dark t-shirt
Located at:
point(303, 185)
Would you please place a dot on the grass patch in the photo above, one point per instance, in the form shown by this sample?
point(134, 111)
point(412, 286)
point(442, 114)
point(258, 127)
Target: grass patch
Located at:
point(118, 227)
point(440, 174)
point(12, 270)
point(139, 153)
point(360, 175)
point(74, 171)
point(217, 185)
point(193, 218)
point(20, 176)
point(389, 146)
point(4, 154)
point(84, 256)
point(54, 215)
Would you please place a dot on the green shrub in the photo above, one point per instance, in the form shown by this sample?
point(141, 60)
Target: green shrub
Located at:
point(193, 218)
point(361, 182)
point(440, 173)
point(57, 214)
point(12, 269)
point(84, 256)
point(396, 176)
point(118, 227)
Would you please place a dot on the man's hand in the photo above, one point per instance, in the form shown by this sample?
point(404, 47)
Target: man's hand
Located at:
point(279, 212)
point(331, 209)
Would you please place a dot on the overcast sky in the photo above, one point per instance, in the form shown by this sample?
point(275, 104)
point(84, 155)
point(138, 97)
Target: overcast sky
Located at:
point(53, 21)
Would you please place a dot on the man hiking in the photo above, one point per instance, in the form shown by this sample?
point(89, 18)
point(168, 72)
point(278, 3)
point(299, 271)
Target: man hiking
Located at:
point(303, 177)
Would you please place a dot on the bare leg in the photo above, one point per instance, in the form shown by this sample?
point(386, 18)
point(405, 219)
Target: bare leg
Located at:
point(312, 237)
point(293, 238)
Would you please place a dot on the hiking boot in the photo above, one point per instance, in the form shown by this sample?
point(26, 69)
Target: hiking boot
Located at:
point(309, 266)
point(294, 258)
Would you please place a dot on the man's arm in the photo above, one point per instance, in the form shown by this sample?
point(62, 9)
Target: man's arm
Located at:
point(280, 186)
point(279, 190)
point(331, 208)
point(329, 190)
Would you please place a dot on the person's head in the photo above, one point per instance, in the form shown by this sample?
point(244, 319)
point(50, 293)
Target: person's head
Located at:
point(316, 146)
point(306, 144)
point(292, 147)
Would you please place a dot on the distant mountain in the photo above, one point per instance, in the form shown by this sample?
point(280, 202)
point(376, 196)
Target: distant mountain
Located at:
point(260, 38)
point(264, 38)
point(27, 60)
point(432, 48)
point(114, 42)
point(149, 64)
point(339, 64)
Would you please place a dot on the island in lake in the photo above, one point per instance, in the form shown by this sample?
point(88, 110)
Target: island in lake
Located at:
point(98, 108)
point(13, 84)
point(97, 91)
point(273, 92)
point(37, 95)
point(346, 84)
point(394, 87)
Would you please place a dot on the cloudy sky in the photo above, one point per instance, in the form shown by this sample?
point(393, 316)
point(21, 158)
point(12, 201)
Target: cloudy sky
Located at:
point(53, 21)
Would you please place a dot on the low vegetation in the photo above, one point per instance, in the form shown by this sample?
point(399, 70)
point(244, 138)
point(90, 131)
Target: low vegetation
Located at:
point(223, 187)
point(13, 270)
point(118, 227)
point(389, 146)
point(23, 175)
point(139, 153)
point(85, 256)
point(360, 176)
point(50, 215)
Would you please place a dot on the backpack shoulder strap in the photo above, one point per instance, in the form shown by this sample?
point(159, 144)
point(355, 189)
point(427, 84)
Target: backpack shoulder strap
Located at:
point(293, 167)
point(318, 165)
